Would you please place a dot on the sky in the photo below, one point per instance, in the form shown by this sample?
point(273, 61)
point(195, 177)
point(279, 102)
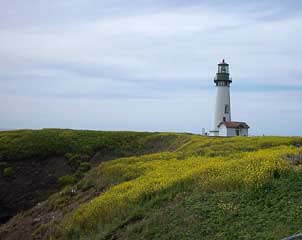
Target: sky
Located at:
point(149, 65)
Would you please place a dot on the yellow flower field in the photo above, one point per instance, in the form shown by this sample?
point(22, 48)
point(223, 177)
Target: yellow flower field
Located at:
point(149, 176)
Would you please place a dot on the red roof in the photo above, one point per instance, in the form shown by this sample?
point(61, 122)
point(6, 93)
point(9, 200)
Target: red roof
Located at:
point(234, 124)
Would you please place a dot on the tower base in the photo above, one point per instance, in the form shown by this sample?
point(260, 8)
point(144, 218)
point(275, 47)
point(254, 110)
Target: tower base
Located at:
point(214, 133)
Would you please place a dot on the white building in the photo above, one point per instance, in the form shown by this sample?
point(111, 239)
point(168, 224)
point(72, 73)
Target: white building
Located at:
point(227, 129)
point(223, 125)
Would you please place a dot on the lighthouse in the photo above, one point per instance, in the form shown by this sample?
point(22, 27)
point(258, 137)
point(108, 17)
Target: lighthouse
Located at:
point(222, 122)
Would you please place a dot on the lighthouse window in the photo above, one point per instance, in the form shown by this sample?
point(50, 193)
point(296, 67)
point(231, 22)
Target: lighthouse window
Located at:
point(223, 69)
point(226, 109)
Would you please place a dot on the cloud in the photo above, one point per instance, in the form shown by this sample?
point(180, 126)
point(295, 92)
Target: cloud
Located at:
point(148, 54)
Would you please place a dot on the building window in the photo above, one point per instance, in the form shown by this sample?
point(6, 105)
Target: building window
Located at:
point(226, 109)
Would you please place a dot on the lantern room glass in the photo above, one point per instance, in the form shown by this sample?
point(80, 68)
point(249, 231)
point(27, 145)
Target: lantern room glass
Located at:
point(223, 69)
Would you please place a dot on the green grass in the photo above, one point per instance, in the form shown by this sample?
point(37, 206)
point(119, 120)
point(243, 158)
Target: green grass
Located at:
point(212, 147)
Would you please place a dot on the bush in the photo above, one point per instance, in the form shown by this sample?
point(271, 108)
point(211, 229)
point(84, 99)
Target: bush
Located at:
point(3, 165)
point(67, 180)
point(73, 160)
point(84, 166)
point(8, 172)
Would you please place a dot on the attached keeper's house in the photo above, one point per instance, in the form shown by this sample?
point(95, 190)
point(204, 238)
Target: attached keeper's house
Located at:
point(233, 129)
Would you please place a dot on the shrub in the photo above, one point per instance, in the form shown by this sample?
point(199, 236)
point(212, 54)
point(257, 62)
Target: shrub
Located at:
point(84, 166)
point(73, 160)
point(67, 180)
point(3, 165)
point(8, 172)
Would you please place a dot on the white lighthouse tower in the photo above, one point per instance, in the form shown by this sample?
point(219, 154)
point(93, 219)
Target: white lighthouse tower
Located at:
point(223, 125)
point(223, 100)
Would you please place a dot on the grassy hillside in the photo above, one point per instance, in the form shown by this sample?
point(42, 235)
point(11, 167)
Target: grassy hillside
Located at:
point(41, 144)
point(35, 164)
point(195, 188)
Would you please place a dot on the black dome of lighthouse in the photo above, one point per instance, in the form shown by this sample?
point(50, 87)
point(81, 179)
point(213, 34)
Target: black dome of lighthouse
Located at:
point(223, 63)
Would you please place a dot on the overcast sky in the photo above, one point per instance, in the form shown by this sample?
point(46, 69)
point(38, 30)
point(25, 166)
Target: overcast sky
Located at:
point(148, 65)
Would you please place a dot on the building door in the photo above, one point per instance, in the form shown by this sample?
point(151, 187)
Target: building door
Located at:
point(237, 132)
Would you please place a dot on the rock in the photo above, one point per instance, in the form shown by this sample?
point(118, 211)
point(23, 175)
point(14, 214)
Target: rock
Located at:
point(36, 220)
point(294, 237)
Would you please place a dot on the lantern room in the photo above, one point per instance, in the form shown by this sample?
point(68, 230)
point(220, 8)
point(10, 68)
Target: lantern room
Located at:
point(223, 67)
point(222, 77)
